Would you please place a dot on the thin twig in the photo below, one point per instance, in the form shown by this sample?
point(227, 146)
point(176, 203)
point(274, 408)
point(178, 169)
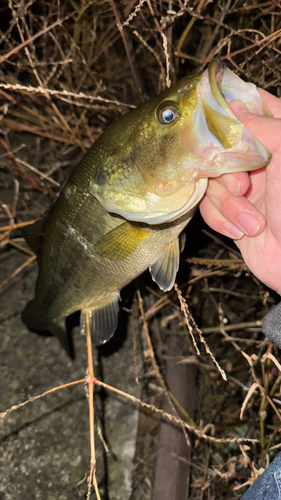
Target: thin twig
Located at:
point(16, 49)
point(171, 398)
point(16, 226)
point(34, 398)
point(176, 420)
point(17, 271)
point(188, 317)
point(228, 328)
point(91, 383)
point(120, 27)
point(62, 94)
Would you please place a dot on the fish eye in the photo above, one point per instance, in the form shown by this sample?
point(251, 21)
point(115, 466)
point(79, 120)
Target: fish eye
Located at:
point(168, 115)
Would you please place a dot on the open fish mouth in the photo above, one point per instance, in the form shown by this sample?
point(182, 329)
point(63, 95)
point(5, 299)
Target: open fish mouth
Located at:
point(227, 86)
point(222, 139)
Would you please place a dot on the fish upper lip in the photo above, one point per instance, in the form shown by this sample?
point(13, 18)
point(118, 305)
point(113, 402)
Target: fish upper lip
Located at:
point(216, 70)
point(218, 66)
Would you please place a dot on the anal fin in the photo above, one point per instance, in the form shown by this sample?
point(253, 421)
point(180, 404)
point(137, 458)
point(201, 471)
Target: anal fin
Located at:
point(103, 321)
point(164, 270)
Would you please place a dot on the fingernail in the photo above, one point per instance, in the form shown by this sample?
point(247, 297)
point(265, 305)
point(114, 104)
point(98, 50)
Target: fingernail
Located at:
point(232, 231)
point(249, 223)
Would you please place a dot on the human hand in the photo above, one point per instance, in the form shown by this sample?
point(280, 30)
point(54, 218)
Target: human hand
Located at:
point(247, 206)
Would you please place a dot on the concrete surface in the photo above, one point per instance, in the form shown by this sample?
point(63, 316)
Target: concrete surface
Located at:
point(45, 446)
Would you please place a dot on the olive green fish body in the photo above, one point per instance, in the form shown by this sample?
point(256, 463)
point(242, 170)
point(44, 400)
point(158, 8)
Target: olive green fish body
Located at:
point(76, 271)
point(75, 274)
point(125, 204)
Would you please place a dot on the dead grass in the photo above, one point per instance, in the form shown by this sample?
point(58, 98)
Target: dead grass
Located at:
point(67, 70)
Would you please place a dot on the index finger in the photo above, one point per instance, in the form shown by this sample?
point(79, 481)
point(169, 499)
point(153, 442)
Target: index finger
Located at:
point(265, 128)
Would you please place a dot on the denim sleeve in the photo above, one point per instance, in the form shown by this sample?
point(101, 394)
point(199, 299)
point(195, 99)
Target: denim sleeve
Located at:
point(268, 485)
point(271, 325)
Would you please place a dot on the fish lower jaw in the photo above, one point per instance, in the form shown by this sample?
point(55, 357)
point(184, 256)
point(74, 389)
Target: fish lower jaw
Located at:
point(169, 209)
point(159, 210)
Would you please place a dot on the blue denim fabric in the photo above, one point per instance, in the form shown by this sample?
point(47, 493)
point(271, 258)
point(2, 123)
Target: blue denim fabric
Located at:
point(271, 325)
point(268, 485)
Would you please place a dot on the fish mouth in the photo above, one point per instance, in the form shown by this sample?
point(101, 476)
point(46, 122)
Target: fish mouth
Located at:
point(220, 138)
point(216, 71)
point(227, 86)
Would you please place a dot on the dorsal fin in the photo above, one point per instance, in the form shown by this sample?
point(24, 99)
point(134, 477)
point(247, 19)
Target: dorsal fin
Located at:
point(32, 234)
point(103, 321)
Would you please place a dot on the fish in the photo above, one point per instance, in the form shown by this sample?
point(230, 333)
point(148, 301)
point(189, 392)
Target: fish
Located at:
point(124, 207)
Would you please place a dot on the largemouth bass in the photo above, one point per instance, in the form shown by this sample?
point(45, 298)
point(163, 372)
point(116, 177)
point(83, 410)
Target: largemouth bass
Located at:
point(125, 205)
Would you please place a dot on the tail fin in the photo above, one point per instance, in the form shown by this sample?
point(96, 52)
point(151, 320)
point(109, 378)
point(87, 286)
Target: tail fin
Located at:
point(37, 322)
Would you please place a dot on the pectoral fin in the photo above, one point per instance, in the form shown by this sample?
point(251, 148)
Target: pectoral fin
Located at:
point(164, 270)
point(121, 242)
point(103, 321)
